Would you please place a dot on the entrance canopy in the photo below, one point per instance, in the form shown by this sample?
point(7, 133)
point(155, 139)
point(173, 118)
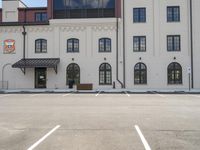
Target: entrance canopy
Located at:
point(37, 63)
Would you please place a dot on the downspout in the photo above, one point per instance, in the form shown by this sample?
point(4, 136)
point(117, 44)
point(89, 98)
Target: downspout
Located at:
point(24, 41)
point(191, 38)
point(117, 45)
point(24, 36)
point(117, 53)
point(124, 61)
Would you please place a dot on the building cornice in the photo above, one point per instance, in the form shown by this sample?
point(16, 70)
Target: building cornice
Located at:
point(23, 24)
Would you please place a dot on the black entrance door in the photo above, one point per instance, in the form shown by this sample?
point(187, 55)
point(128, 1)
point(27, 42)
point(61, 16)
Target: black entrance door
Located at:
point(40, 77)
point(73, 74)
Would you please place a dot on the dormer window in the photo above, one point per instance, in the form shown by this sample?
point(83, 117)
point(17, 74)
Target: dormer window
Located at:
point(40, 16)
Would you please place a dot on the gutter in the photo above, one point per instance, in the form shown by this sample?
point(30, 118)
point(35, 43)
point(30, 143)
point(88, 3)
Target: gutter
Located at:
point(191, 38)
point(23, 24)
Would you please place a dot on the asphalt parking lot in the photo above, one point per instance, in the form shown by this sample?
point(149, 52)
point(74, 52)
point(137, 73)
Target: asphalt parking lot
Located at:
point(99, 121)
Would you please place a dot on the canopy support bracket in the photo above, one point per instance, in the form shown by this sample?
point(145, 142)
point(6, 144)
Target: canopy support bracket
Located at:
point(23, 70)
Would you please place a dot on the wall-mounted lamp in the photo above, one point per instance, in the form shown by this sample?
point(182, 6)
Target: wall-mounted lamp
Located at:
point(105, 58)
point(174, 58)
point(140, 58)
point(72, 59)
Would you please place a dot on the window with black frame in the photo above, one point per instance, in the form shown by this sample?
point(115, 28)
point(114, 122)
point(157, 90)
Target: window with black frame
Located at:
point(174, 72)
point(139, 15)
point(173, 43)
point(40, 46)
point(41, 17)
point(139, 43)
point(173, 14)
point(73, 45)
point(140, 73)
point(105, 74)
point(83, 8)
point(105, 45)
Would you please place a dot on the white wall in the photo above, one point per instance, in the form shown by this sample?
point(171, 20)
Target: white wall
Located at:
point(57, 33)
point(15, 77)
point(88, 31)
point(156, 56)
point(10, 11)
point(196, 43)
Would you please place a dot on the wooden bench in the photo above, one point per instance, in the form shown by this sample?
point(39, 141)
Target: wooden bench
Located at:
point(85, 86)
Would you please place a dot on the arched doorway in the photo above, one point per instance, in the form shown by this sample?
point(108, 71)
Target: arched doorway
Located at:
point(73, 73)
point(105, 74)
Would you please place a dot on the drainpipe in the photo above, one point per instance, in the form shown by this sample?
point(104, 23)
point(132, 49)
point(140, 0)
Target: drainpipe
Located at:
point(191, 38)
point(117, 45)
point(24, 41)
point(117, 53)
point(124, 53)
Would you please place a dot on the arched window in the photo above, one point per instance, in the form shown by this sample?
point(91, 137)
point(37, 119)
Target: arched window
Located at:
point(105, 74)
point(105, 45)
point(40, 46)
point(73, 73)
point(73, 45)
point(174, 72)
point(140, 73)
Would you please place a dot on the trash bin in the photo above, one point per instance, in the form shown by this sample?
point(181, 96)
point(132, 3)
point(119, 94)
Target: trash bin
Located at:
point(114, 85)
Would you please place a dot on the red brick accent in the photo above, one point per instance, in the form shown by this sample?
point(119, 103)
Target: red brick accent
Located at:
point(50, 9)
point(118, 8)
point(28, 14)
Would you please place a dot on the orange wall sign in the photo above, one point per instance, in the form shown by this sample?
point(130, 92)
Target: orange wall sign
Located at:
point(9, 46)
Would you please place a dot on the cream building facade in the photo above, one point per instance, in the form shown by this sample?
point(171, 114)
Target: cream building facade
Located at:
point(136, 47)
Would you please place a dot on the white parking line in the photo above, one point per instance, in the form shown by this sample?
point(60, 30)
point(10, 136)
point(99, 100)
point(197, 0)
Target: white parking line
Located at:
point(43, 138)
point(4, 95)
point(146, 145)
point(127, 93)
point(158, 94)
point(34, 95)
point(98, 93)
point(66, 94)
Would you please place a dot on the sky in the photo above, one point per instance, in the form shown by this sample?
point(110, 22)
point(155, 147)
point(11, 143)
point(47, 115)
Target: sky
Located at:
point(32, 3)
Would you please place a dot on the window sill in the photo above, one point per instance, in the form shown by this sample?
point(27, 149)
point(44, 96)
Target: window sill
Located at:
point(174, 51)
point(181, 84)
point(173, 21)
point(141, 84)
point(139, 22)
point(105, 52)
point(139, 51)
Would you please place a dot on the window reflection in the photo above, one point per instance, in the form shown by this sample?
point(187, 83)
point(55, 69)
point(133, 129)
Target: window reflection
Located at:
point(84, 8)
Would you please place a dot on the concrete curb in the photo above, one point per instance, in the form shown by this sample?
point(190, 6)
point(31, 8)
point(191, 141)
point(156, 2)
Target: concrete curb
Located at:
point(64, 91)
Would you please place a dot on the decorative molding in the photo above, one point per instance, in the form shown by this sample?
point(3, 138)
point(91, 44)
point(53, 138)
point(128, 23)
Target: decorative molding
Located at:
point(62, 28)
point(10, 30)
point(72, 28)
point(39, 29)
point(104, 28)
point(100, 27)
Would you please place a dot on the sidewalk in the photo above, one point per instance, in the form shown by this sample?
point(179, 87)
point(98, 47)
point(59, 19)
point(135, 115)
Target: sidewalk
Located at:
point(136, 91)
